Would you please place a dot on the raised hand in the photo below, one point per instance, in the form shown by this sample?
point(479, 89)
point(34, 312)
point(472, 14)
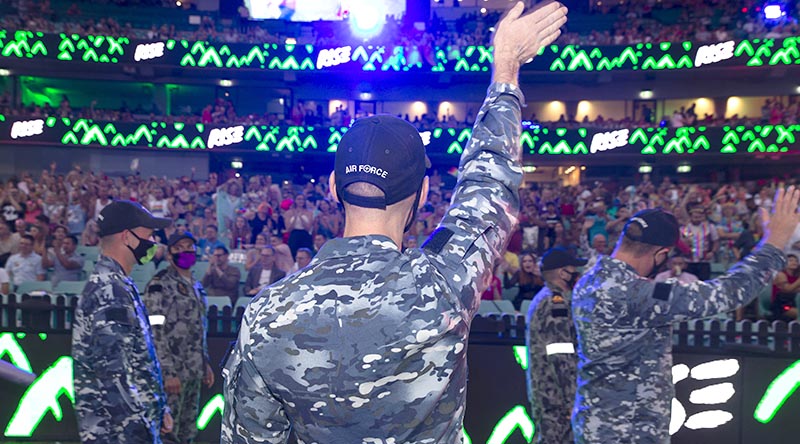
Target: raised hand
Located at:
point(518, 37)
point(781, 224)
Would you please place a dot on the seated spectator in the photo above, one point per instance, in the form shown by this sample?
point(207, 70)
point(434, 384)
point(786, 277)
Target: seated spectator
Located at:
point(494, 292)
point(254, 254)
point(25, 266)
point(9, 242)
point(264, 274)
point(66, 263)
point(320, 239)
point(302, 259)
point(222, 278)
point(527, 278)
point(676, 270)
point(207, 245)
point(784, 291)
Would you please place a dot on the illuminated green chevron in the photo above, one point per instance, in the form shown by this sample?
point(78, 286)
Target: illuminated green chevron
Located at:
point(214, 405)
point(779, 390)
point(516, 418)
point(9, 346)
point(42, 396)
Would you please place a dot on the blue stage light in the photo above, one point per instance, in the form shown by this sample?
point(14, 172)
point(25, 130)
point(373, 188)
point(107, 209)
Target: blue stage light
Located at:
point(367, 18)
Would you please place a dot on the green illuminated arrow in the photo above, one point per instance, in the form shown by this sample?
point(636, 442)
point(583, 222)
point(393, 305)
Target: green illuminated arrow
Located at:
point(777, 393)
point(517, 417)
point(214, 405)
point(41, 397)
point(9, 346)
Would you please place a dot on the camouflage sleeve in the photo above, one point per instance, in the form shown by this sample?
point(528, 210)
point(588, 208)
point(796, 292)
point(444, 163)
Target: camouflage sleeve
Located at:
point(537, 366)
point(653, 303)
point(113, 326)
point(163, 319)
point(252, 413)
point(485, 204)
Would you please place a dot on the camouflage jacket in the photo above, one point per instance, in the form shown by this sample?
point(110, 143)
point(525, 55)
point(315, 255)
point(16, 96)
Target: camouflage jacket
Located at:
point(624, 326)
point(177, 309)
point(552, 365)
point(119, 395)
point(368, 344)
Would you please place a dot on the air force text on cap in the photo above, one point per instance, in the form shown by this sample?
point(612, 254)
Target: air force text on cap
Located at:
point(368, 169)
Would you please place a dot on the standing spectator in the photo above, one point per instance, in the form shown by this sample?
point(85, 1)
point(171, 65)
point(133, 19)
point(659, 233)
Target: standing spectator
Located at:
point(9, 242)
point(729, 229)
point(328, 221)
point(25, 266)
point(258, 220)
point(264, 274)
point(528, 279)
point(240, 234)
point(75, 214)
point(254, 254)
point(702, 238)
point(177, 306)
point(299, 221)
point(158, 204)
point(222, 279)
point(676, 269)
point(66, 263)
point(784, 291)
point(228, 201)
point(12, 205)
point(207, 245)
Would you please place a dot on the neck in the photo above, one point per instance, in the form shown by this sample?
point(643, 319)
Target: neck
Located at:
point(124, 258)
point(366, 221)
point(185, 273)
point(642, 265)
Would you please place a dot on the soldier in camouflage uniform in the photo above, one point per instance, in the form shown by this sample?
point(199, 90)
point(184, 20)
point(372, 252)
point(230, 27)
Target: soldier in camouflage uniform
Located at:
point(119, 396)
point(624, 322)
point(177, 306)
point(552, 364)
point(368, 343)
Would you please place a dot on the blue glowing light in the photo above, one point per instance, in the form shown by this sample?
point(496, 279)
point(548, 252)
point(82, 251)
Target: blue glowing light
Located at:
point(367, 18)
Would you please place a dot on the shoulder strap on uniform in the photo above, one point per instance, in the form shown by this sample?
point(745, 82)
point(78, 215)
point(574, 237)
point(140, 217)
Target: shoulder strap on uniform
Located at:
point(662, 291)
point(436, 242)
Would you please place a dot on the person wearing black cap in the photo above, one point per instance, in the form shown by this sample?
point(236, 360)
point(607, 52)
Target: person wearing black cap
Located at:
point(177, 304)
point(624, 322)
point(368, 343)
point(119, 394)
point(552, 363)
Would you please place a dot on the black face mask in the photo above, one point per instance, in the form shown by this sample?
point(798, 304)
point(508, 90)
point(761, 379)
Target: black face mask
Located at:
point(144, 252)
point(657, 266)
point(573, 279)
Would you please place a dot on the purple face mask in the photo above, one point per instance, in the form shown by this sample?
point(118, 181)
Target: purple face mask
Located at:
point(184, 259)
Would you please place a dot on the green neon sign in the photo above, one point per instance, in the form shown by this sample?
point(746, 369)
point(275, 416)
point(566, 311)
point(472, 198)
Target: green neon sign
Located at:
point(42, 397)
point(214, 405)
point(779, 390)
point(9, 346)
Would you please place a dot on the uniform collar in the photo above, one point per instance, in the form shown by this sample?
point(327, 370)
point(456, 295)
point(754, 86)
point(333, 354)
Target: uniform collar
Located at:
point(356, 245)
point(110, 265)
point(613, 263)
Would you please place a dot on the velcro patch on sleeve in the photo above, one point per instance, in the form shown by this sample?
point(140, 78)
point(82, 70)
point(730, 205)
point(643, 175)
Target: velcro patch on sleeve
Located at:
point(121, 315)
point(436, 242)
point(662, 291)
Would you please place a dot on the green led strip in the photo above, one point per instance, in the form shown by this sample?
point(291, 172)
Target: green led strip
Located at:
point(779, 390)
point(521, 355)
point(214, 405)
point(9, 346)
point(100, 49)
point(516, 418)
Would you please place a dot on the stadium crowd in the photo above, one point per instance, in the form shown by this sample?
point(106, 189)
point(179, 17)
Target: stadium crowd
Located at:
point(49, 215)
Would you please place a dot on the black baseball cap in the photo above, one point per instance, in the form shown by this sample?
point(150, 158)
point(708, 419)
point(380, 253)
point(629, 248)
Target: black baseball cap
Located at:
point(121, 215)
point(177, 237)
point(657, 227)
point(384, 151)
point(559, 257)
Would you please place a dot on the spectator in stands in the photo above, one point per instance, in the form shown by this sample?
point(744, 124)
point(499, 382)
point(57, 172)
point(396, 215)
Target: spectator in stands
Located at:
point(264, 274)
point(254, 254)
point(494, 292)
point(9, 242)
point(39, 239)
point(258, 220)
point(300, 222)
point(26, 265)
point(784, 291)
point(528, 279)
point(75, 213)
point(677, 271)
point(207, 245)
point(89, 237)
point(329, 220)
point(5, 286)
point(319, 241)
point(702, 238)
point(240, 234)
point(283, 255)
point(12, 204)
point(222, 278)
point(62, 257)
point(729, 229)
point(302, 258)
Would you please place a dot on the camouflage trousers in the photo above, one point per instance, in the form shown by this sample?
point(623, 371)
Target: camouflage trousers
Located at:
point(185, 407)
point(553, 430)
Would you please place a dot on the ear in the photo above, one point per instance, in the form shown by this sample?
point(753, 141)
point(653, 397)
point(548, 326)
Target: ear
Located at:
point(332, 186)
point(423, 197)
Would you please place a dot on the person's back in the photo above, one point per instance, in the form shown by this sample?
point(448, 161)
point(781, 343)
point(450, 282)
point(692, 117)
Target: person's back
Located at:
point(368, 343)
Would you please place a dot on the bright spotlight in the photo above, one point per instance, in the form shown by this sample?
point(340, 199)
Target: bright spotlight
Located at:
point(773, 12)
point(367, 18)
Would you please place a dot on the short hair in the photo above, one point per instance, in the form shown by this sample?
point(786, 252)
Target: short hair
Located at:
point(304, 250)
point(551, 275)
point(43, 218)
point(212, 226)
point(221, 247)
point(27, 236)
point(791, 255)
point(364, 189)
point(634, 247)
point(267, 247)
point(73, 238)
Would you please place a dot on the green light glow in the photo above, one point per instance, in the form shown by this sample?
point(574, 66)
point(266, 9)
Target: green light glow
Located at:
point(9, 346)
point(779, 390)
point(517, 417)
point(521, 355)
point(41, 397)
point(213, 406)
